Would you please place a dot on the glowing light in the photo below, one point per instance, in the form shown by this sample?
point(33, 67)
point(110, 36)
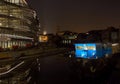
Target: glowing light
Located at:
point(11, 15)
point(44, 32)
point(43, 38)
point(16, 36)
point(87, 33)
point(93, 54)
point(85, 50)
point(115, 44)
point(83, 55)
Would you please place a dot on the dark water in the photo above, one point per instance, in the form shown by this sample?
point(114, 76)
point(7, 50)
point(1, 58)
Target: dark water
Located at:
point(60, 70)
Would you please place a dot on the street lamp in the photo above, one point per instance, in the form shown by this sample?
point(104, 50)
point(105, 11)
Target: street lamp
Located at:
point(44, 32)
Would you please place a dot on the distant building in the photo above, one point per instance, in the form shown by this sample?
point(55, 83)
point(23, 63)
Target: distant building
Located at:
point(111, 35)
point(18, 24)
point(94, 36)
point(68, 37)
point(82, 38)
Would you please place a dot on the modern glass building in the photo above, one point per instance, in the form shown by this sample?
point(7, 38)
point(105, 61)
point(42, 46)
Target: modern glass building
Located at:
point(18, 24)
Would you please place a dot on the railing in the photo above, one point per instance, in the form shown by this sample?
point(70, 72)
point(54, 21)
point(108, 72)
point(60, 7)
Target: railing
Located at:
point(19, 67)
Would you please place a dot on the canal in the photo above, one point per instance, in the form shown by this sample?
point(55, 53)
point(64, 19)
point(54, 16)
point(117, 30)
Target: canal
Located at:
point(59, 69)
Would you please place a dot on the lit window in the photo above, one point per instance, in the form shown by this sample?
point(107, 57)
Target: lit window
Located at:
point(17, 1)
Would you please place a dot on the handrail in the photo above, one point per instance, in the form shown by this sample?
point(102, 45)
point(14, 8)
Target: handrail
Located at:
point(12, 69)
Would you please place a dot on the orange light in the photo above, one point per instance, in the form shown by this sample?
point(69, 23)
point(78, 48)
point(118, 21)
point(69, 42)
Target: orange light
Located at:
point(43, 38)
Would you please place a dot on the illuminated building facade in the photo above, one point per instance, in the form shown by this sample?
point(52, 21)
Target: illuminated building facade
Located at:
point(67, 38)
point(18, 24)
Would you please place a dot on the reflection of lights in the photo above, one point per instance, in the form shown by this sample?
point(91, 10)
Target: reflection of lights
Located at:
point(106, 55)
point(70, 56)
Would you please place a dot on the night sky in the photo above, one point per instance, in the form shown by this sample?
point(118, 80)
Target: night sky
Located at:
point(77, 15)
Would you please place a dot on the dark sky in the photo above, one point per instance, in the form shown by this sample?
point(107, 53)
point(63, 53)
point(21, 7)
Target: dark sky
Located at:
point(77, 15)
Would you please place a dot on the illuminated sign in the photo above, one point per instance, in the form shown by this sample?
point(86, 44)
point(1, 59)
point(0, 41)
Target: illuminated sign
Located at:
point(43, 38)
point(86, 47)
point(85, 50)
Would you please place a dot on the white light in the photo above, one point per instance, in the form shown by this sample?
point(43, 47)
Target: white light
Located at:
point(115, 44)
point(83, 55)
point(85, 47)
point(70, 56)
point(93, 54)
point(11, 15)
point(106, 55)
point(87, 33)
point(16, 36)
point(44, 32)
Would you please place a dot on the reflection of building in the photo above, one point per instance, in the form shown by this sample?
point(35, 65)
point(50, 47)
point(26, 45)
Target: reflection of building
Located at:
point(18, 24)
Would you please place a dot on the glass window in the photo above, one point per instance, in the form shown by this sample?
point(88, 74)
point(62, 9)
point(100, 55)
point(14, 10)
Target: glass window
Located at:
point(3, 22)
point(19, 2)
point(14, 23)
point(16, 1)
